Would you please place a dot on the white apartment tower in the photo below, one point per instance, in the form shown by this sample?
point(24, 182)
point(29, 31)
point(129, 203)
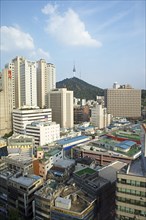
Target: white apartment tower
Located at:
point(61, 103)
point(46, 81)
point(28, 83)
point(99, 116)
point(6, 101)
point(14, 66)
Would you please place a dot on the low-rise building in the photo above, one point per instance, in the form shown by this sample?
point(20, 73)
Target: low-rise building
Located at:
point(21, 191)
point(26, 115)
point(43, 132)
point(22, 145)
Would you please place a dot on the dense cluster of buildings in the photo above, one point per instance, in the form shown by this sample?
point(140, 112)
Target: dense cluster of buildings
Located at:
point(68, 158)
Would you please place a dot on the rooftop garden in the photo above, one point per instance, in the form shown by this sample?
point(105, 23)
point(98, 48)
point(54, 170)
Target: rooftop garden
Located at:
point(85, 171)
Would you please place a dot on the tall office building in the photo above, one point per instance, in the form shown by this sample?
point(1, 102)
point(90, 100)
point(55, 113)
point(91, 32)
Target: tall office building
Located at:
point(14, 66)
point(28, 83)
point(123, 101)
point(61, 103)
point(46, 81)
point(6, 101)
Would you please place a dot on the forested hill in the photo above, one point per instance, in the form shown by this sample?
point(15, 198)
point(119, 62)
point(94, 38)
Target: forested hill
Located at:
point(87, 91)
point(81, 89)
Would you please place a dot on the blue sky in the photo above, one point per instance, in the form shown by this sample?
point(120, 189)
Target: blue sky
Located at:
point(105, 39)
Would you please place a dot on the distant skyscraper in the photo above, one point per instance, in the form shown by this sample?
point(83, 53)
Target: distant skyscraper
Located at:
point(28, 83)
point(14, 66)
point(46, 81)
point(123, 101)
point(6, 101)
point(61, 103)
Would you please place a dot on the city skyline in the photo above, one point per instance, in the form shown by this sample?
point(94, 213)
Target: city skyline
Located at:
point(110, 35)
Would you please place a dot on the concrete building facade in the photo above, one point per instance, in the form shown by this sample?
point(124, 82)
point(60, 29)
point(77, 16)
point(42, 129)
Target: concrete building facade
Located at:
point(61, 103)
point(6, 102)
point(28, 83)
point(123, 101)
point(43, 132)
point(14, 66)
point(22, 145)
point(46, 81)
point(99, 116)
point(24, 116)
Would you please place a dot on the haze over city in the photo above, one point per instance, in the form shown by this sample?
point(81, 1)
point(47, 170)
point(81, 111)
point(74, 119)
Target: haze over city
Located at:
point(104, 39)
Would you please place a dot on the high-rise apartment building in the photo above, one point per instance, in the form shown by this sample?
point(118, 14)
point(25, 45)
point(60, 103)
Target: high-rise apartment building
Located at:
point(61, 103)
point(46, 81)
point(14, 66)
point(28, 83)
point(123, 101)
point(99, 116)
point(6, 101)
point(24, 116)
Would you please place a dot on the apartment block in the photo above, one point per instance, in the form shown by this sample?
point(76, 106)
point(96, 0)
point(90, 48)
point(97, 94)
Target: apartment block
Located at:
point(46, 81)
point(28, 83)
point(123, 101)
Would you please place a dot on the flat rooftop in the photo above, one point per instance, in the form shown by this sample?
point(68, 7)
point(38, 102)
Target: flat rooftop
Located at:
point(71, 140)
point(25, 181)
point(109, 172)
point(64, 163)
point(84, 171)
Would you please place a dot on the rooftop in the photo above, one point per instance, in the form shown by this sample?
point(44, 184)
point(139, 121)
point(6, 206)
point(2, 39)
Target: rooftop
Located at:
point(84, 171)
point(64, 163)
point(109, 172)
point(71, 140)
point(25, 181)
point(52, 152)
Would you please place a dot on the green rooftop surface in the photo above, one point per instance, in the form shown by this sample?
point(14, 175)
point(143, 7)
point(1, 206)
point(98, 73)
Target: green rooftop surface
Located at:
point(52, 152)
point(85, 171)
point(39, 149)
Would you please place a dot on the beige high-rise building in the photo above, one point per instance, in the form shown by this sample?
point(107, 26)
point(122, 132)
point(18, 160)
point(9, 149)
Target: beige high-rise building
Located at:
point(46, 81)
point(123, 101)
point(6, 101)
point(61, 103)
point(99, 116)
point(14, 66)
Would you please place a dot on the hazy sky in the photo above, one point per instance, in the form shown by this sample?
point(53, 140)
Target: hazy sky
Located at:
point(105, 39)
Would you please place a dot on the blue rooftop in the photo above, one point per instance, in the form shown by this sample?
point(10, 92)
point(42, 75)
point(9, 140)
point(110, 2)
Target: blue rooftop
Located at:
point(126, 144)
point(71, 140)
